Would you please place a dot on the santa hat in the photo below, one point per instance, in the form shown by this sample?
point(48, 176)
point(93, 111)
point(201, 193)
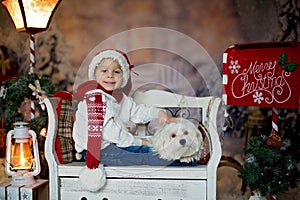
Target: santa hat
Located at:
point(118, 56)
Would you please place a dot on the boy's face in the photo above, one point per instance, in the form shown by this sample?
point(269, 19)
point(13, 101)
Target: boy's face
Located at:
point(109, 74)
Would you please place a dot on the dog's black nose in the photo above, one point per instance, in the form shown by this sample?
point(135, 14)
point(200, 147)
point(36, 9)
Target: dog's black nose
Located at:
point(182, 141)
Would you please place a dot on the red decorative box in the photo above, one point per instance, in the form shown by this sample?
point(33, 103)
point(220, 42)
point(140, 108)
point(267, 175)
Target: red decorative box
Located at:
point(262, 74)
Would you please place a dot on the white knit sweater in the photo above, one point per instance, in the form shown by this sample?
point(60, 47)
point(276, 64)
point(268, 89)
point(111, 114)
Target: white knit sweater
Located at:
point(116, 118)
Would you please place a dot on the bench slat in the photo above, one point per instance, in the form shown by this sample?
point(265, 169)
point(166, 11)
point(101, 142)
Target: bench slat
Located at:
point(141, 171)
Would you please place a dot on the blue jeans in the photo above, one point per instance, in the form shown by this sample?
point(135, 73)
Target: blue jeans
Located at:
point(135, 155)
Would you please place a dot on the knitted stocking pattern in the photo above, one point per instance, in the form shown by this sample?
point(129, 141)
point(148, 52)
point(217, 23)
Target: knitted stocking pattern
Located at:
point(96, 108)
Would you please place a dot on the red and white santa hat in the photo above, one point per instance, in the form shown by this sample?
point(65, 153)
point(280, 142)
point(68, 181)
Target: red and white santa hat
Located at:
point(118, 56)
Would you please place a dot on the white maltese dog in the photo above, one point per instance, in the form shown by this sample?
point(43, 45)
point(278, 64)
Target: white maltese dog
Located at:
point(178, 141)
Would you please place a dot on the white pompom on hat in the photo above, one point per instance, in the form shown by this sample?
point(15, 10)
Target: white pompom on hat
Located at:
point(117, 56)
point(92, 179)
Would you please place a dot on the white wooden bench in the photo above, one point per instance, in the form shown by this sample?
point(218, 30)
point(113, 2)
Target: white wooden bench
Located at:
point(143, 182)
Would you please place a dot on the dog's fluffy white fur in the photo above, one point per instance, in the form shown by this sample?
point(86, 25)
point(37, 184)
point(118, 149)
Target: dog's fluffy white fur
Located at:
point(178, 141)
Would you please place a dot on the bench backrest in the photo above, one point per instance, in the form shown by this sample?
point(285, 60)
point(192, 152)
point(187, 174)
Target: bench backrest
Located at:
point(180, 105)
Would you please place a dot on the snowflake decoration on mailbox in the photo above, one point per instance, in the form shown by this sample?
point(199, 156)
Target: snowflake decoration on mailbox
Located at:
point(258, 97)
point(234, 66)
point(262, 74)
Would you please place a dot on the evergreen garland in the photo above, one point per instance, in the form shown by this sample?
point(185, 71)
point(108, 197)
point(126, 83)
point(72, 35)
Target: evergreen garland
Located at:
point(15, 91)
point(270, 169)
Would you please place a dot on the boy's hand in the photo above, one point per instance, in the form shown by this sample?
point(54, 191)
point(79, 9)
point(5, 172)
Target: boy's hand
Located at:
point(164, 117)
point(146, 142)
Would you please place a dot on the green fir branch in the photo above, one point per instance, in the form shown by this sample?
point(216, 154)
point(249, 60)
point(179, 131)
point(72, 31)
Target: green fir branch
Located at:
point(271, 169)
point(16, 90)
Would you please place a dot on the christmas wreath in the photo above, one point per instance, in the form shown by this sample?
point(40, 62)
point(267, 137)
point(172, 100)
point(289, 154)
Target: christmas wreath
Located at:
point(269, 168)
point(25, 87)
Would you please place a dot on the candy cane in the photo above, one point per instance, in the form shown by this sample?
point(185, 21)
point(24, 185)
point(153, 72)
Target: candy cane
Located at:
point(32, 54)
point(32, 109)
point(274, 139)
point(275, 120)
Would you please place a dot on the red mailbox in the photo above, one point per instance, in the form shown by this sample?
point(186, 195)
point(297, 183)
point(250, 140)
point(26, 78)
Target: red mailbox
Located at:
point(262, 74)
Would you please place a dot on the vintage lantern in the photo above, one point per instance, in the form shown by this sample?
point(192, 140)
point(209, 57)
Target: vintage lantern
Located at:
point(22, 155)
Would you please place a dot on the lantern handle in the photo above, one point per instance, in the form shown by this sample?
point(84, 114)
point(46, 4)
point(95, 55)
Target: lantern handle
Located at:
point(8, 153)
point(37, 167)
